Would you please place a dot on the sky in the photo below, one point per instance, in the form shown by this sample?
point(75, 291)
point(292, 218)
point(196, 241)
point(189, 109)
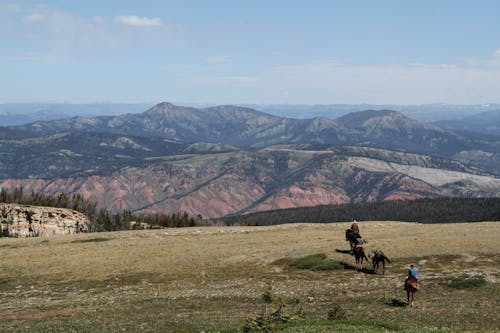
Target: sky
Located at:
point(259, 51)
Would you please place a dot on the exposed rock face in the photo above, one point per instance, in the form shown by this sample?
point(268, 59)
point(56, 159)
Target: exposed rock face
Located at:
point(25, 221)
point(219, 184)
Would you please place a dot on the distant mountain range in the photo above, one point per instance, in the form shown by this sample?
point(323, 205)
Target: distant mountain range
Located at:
point(224, 160)
point(24, 113)
point(246, 127)
point(425, 112)
point(484, 122)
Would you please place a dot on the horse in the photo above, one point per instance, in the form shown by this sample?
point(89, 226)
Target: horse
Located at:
point(411, 286)
point(354, 239)
point(359, 256)
point(377, 258)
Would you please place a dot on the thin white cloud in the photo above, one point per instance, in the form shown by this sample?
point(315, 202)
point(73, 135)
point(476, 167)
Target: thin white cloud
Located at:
point(137, 21)
point(36, 57)
point(98, 19)
point(497, 52)
point(52, 30)
point(219, 59)
point(419, 83)
point(33, 18)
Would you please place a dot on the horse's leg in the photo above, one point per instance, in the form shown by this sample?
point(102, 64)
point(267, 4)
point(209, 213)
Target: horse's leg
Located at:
point(383, 267)
point(411, 296)
point(363, 257)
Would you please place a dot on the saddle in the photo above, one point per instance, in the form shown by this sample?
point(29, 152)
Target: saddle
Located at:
point(411, 283)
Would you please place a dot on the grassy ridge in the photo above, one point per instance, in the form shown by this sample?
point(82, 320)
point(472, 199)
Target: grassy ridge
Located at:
point(211, 279)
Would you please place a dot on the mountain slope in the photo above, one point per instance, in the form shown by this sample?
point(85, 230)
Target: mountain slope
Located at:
point(249, 128)
point(85, 154)
point(219, 183)
point(136, 161)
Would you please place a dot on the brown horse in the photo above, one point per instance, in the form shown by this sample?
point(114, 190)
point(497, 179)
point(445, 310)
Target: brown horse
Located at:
point(354, 238)
point(359, 256)
point(411, 286)
point(377, 258)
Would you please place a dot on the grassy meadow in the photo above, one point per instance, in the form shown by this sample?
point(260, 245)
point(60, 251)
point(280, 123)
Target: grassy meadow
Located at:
point(212, 279)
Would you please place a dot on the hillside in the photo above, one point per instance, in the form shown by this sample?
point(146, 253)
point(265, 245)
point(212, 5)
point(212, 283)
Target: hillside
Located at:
point(232, 160)
point(212, 279)
point(215, 181)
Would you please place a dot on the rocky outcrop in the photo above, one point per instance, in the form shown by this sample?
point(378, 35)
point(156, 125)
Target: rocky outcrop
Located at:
point(25, 221)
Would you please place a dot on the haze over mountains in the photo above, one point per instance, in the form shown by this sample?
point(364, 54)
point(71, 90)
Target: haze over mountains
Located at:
point(23, 113)
point(226, 159)
point(484, 122)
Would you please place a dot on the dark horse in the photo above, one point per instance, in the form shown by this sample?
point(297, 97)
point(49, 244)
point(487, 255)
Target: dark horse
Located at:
point(354, 238)
point(411, 286)
point(377, 258)
point(359, 256)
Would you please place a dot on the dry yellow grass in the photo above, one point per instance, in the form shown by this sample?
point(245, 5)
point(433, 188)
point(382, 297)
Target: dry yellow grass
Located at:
point(176, 267)
point(184, 250)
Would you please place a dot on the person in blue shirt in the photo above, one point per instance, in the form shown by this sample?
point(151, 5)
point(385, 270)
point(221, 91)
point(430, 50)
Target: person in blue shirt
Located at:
point(411, 284)
point(413, 272)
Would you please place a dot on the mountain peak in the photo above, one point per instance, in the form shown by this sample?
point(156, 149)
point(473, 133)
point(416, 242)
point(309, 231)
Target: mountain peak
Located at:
point(162, 107)
point(167, 105)
point(166, 109)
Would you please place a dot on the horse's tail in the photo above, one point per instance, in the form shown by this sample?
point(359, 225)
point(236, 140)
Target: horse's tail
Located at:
point(361, 251)
point(411, 284)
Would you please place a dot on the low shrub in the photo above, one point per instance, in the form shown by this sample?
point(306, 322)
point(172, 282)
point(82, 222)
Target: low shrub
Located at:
point(317, 262)
point(92, 240)
point(466, 282)
point(336, 312)
point(275, 320)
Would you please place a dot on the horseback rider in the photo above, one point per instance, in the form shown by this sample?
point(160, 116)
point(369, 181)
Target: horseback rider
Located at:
point(412, 279)
point(353, 236)
point(411, 284)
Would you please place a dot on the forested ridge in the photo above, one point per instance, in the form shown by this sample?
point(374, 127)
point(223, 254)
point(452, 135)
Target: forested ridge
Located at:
point(100, 219)
point(439, 210)
point(427, 210)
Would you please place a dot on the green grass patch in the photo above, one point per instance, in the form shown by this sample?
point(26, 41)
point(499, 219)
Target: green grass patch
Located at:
point(13, 246)
point(348, 326)
point(467, 282)
point(317, 262)
point(92, 240)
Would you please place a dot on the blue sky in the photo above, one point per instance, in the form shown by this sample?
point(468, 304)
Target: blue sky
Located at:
point(222, 52)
